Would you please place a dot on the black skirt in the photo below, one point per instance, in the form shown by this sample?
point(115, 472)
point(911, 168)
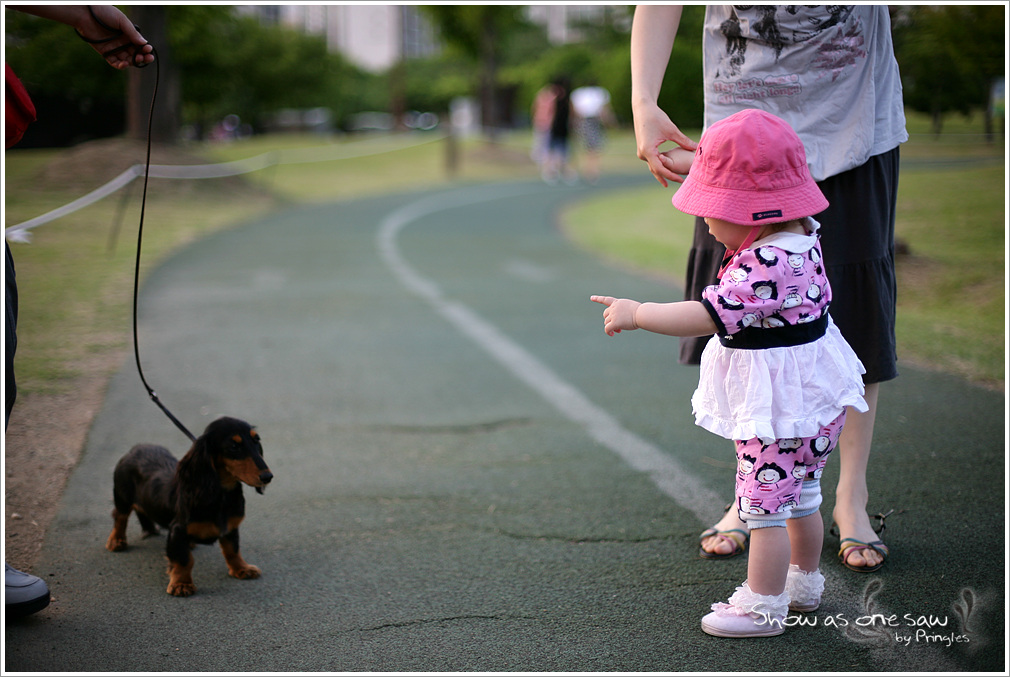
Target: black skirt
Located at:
point(857, 238)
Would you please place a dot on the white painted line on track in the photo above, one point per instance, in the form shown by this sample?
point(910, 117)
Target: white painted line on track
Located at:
point(529, 271)
point(668, 475)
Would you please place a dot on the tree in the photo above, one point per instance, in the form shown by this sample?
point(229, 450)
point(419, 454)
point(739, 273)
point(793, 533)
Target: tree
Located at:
point(211, 63)
point(949, 56)
point(479, 32)
point(202, 38)
point(238, 65)
point(683, 93)
point(165, 115)
point(76, 94)
point(603, 56)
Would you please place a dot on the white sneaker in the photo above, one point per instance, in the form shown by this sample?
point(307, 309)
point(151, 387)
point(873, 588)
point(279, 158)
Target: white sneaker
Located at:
point(25, 594)
point(748, 614)
point(804, 589)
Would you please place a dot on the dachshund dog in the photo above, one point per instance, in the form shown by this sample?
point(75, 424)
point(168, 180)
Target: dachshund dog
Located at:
point(198, 499)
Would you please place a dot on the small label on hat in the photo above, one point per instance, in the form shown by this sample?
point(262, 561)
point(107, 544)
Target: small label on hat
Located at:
point(770, 214)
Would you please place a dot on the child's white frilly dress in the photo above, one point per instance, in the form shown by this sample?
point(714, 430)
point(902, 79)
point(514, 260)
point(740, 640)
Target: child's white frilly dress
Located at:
point(778, 366)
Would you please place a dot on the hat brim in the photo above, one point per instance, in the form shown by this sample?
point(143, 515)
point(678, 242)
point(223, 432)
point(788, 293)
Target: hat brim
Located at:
point(749, 207)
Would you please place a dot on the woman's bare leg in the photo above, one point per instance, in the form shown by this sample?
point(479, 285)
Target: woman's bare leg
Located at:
point(852, 495)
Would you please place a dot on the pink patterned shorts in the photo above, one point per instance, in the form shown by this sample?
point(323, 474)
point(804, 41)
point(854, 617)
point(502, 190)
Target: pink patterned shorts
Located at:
point(770, 478)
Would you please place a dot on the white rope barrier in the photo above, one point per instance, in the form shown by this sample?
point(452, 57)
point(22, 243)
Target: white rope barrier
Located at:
point(20, 231)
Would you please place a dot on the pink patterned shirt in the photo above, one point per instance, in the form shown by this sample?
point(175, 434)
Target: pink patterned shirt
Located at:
point(780, 282)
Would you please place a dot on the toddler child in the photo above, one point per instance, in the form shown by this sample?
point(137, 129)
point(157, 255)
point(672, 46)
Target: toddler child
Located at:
point(777, 376)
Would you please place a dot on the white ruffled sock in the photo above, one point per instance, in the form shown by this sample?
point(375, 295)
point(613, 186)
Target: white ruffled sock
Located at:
point(804, 588)
point(745, 601)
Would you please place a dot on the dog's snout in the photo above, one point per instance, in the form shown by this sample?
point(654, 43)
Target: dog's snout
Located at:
point(266, 476)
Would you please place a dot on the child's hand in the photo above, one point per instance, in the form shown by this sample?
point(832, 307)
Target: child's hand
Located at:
point(678, 160)
point(619, 315)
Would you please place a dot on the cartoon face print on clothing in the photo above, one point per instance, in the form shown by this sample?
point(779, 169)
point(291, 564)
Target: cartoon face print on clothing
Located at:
point(765, 290)
point(789, 445)
point(769, 287)
point(820, 446)
point(769, 475)
point(787, 503)
point(815, 258)
point(730, 304)
point(739, 274)
point(747, 320)
point(751, 506)
point(814, 292)
point(745, 465)
point(799, 472)
point(767, 256)
point(791, 300)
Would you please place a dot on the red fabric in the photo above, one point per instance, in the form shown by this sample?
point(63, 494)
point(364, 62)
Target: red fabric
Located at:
point(20, 111)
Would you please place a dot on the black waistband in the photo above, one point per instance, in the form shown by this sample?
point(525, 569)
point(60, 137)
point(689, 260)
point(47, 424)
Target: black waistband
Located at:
point(757, 338)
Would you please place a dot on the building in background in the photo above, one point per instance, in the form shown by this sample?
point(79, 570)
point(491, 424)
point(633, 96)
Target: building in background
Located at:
point(374, 37)
point(562, 22)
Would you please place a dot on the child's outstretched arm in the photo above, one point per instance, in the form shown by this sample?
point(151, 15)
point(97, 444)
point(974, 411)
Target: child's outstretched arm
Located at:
point(683, 318)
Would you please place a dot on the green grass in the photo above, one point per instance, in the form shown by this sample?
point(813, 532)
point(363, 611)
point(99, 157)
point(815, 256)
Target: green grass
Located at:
point(951, 294)
point(395, 163)
point(389, 164)
point(74, 287)
point(636, 229)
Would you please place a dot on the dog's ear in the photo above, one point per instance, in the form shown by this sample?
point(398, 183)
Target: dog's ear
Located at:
point(198, 461)
point(195, 477)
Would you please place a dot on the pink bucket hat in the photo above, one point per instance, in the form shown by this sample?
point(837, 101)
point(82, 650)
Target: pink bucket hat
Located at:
point(750, 169)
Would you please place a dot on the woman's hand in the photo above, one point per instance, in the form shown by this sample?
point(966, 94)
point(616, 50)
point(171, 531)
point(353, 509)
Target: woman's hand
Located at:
point(653, 128)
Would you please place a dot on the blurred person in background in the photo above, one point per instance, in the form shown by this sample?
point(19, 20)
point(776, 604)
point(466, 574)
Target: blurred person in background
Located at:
point(556, 168)
point(541, 117)
point(591, 104)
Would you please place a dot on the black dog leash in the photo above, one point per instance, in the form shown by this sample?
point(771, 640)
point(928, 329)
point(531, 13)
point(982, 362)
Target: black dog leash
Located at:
point(136, 271)
point(143, 206)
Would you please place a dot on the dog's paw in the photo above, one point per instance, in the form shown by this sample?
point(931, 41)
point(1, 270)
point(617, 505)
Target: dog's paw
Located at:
point(245, 571)
point(181, 589)
point(115, 544)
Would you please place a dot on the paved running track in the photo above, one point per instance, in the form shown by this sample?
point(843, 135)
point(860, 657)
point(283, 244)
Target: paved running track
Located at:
point(471, 476)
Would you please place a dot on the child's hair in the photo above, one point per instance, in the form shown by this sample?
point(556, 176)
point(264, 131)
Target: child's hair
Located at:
point(750, 169)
